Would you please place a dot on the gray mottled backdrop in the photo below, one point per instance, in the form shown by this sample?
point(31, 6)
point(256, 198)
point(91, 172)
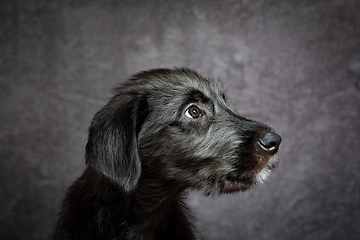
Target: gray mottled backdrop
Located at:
point(292, 64)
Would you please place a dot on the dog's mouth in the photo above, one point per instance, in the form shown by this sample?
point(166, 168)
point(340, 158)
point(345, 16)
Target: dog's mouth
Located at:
point(236, 177)
point(236, 182)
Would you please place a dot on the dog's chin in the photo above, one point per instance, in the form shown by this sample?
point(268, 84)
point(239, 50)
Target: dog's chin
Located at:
point(231, 186)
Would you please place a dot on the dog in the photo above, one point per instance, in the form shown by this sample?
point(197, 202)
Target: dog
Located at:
point(164, 131)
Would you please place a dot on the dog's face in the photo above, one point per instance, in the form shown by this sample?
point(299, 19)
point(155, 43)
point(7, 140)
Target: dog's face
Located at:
point(175, 125)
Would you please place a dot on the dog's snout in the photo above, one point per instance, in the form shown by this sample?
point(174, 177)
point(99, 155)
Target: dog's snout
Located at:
point(270, 142)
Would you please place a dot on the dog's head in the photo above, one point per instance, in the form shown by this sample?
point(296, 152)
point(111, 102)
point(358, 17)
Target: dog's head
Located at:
point(176, 125)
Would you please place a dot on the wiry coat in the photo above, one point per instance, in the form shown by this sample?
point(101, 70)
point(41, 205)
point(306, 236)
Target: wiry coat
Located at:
point(165, 130)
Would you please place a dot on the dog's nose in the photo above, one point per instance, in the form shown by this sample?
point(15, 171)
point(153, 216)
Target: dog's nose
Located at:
point(270, 142)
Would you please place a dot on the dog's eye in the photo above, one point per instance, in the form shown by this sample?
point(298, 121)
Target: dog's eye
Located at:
point(193, 112)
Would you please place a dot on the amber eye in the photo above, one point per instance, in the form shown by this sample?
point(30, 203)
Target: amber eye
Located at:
point(193, 112)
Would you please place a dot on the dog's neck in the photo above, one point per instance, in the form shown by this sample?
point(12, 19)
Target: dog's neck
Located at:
point(156, 201)
point(156, 194)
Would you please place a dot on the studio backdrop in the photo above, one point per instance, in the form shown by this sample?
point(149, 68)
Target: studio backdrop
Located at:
point(294, 65)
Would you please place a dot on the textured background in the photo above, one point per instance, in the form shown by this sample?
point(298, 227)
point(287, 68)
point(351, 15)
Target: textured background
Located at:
point(292, 64)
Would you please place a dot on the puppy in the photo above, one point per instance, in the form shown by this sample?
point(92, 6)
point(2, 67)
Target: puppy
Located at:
point(164, 131)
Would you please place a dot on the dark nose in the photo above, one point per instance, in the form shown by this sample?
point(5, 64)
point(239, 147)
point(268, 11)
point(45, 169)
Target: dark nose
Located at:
point(270, 142)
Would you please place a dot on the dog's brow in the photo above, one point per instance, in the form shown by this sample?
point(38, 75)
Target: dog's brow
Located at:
point(198, 96)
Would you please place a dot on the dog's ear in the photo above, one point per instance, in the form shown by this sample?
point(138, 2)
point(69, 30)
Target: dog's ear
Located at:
point(113, 139)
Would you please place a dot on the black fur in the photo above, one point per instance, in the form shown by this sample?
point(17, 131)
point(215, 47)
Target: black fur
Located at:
point(145, 148)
